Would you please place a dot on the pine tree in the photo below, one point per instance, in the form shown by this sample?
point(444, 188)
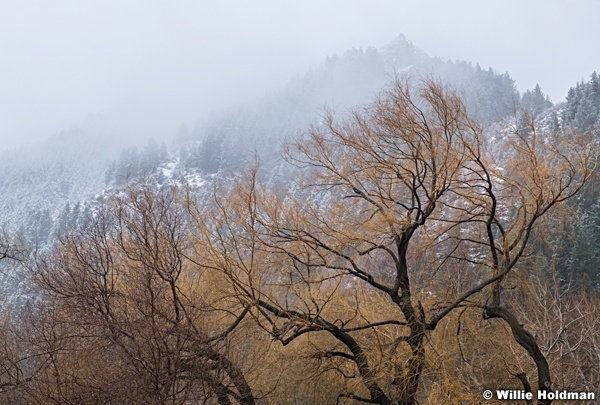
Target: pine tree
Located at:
point(535, 102)
point(163, 154)
point(128, 165)
point(583, 264)
point(583, 105)
point(150, 158)
point(109, 175)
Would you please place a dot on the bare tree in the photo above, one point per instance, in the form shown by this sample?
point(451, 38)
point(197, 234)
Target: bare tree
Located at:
point(567, 327)
point(10, 247)
point(129, 318)
point(398, 258)
point(406, 204)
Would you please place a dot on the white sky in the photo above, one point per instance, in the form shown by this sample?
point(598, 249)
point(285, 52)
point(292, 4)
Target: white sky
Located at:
point(156, 64)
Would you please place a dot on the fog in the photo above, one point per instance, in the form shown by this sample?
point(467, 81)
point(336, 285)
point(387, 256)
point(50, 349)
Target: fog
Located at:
point(152, 65)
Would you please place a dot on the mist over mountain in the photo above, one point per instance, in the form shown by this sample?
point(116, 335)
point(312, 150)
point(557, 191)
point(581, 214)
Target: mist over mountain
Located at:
point(48, 187)
point(43, 180)
point(340, 83)
point(141, 258)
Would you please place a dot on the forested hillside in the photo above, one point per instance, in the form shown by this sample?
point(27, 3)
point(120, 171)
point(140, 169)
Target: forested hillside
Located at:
point(389, 228)
point(43, 185)
point(340, 83)
point(578, 255)
point(583, 105)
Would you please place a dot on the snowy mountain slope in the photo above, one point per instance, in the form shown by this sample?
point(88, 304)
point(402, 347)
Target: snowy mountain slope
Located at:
point(340, 83)
point(47, 187)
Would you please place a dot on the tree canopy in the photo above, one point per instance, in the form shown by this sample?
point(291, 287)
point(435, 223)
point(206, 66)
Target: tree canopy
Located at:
point(384, 275)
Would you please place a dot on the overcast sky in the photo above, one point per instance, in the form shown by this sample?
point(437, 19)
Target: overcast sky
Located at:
point(156, 64)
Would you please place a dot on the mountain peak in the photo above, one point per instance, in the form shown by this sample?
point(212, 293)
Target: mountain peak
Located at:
point(400, 49)
point(401, 40)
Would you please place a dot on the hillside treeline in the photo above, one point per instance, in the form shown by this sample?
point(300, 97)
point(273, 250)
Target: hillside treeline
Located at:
point(413, 260)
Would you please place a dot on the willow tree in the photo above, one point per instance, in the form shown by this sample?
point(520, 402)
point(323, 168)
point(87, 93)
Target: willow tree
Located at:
point(126, 316)
point(405, 203)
